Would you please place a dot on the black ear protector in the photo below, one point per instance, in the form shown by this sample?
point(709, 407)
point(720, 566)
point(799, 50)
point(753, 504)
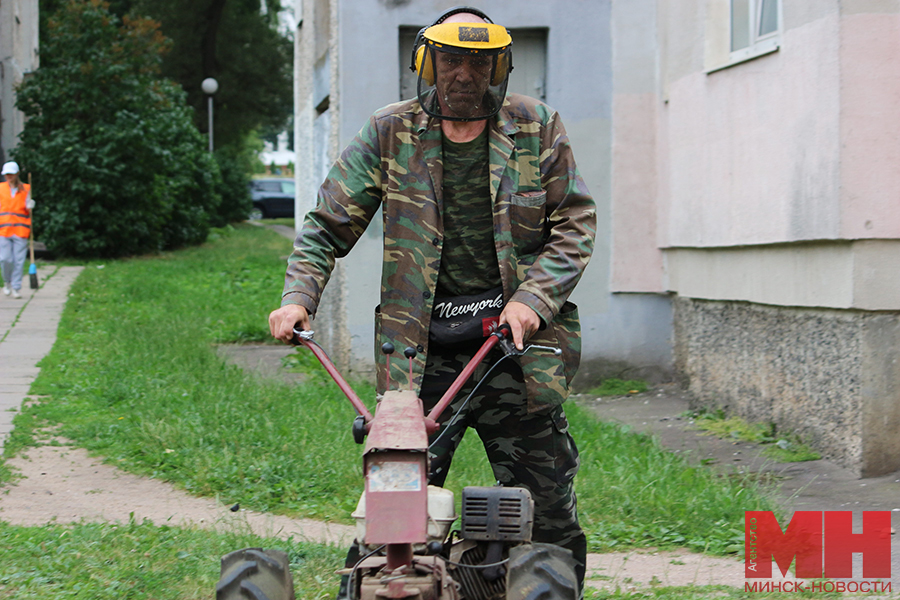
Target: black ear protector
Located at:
point(421, 61)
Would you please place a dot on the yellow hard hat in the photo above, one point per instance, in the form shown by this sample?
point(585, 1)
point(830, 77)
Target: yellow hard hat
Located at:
point(485, 42)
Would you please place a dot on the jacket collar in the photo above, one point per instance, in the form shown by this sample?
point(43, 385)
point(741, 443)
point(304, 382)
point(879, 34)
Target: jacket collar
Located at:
point(506, 123)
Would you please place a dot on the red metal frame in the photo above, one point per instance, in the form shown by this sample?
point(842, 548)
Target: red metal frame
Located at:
point(446, 399)
point(463, 377)
point(340, 381)
point(399, 434)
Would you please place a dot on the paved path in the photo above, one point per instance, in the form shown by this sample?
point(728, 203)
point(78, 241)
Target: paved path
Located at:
point(27, 333)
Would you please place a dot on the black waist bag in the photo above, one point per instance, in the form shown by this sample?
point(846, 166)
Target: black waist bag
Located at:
point(460, 319)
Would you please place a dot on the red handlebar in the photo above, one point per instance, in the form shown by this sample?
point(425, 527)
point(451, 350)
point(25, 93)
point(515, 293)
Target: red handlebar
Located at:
point(332, 370)
point(446, 399)
point(463, 377)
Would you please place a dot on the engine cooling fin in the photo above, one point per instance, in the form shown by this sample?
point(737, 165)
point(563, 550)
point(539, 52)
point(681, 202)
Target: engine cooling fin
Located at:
point(473, 586)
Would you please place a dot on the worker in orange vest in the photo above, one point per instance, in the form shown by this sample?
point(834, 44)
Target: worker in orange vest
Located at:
point(15, 228)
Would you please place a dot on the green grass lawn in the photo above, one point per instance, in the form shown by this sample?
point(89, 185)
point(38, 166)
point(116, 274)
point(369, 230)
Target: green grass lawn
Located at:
point(134, 378)
point(141, 561)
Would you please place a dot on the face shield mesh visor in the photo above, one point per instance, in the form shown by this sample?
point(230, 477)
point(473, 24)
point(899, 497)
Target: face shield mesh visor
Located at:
point(463, 85)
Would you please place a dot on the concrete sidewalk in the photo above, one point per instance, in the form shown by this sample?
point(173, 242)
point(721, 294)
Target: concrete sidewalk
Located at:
point(27, 333)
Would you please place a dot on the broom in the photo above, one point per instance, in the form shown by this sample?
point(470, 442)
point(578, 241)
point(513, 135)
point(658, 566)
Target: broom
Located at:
point(32, 270)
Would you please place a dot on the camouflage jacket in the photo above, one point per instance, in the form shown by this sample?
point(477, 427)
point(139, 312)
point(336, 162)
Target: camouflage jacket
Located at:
point(544, 227)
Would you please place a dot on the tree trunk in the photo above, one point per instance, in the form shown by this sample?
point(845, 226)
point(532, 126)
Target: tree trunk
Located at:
point(208, 43)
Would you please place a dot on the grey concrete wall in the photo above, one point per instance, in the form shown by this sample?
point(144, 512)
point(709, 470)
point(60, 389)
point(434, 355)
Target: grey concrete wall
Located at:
point(631, 338)
point(831, 376)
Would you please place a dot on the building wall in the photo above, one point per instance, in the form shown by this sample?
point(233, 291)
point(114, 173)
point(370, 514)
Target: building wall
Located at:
point(794, 146)
point(828, 375)
point(18, 56)
point(870, 84)
point(754, 149)
point(769, 191)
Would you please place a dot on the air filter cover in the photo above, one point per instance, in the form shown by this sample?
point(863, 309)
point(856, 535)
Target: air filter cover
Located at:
point(497, 514)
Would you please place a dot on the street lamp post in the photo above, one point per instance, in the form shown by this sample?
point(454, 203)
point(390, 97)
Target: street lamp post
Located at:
point(210, 86)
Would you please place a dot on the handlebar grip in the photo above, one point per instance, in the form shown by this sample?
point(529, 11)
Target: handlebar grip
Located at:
point(301, 335)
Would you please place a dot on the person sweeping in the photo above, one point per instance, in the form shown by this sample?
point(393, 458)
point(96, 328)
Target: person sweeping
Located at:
point(16, 205)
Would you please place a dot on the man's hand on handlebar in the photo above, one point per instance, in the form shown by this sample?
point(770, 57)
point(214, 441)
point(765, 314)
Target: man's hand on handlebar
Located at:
point(522, 320)
point(283, 320)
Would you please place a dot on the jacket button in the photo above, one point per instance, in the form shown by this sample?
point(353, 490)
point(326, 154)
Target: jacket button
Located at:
point(420, 348)
point(435, 241)
point(426, 295)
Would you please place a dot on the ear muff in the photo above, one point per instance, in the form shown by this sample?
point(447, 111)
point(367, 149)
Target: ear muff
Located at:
point(424, 65)
point(502, 68)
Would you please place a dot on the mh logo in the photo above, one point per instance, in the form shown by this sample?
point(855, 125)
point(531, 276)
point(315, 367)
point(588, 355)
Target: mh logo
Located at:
point(823, 547)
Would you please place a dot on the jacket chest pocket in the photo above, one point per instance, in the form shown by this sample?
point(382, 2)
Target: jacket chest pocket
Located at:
point(528, 216)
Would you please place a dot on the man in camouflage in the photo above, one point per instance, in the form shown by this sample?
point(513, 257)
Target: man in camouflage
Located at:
point(478, 191)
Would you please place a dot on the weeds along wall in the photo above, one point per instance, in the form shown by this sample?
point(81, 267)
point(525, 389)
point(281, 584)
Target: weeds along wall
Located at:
point(831, 376)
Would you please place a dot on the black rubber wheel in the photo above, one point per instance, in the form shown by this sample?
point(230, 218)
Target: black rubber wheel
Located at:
point(255, 574)
point(257, 213)
point(541, 572)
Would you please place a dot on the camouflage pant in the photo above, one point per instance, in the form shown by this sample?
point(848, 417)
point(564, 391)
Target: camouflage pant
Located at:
point(533, 451)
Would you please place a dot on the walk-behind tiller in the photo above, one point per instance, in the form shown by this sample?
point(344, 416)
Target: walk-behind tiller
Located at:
point(403, 524)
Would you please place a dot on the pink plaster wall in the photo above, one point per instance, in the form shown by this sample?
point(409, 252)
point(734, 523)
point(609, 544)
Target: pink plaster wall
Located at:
point(636, 257)
point(802, 144)
point(754, 149)
point(870, 126)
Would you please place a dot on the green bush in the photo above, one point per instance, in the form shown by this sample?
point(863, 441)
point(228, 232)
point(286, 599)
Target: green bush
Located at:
point(234, 164)
point(119, 168)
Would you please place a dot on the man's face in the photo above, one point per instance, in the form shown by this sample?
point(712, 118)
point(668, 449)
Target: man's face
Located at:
point(12, 180)
point(462, 82)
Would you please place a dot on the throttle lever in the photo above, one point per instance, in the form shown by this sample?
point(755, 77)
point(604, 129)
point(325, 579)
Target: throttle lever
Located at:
point(504, 337)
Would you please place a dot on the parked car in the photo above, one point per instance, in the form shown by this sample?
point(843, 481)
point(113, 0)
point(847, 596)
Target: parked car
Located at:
point(272, 198)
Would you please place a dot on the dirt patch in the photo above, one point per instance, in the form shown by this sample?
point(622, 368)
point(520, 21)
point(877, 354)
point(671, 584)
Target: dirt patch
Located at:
point(66, 485)
point(631, 571)
point(264, 360)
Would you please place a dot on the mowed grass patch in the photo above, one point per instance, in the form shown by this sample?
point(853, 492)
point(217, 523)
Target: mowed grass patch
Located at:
point(141, 561)
point(134, 378)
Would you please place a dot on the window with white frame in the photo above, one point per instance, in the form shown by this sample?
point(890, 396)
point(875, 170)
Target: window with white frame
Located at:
point(755, 28)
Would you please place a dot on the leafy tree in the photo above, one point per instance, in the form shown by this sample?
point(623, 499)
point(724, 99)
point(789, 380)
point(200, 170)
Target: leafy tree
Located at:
point(119, 167)
point(241, 47)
